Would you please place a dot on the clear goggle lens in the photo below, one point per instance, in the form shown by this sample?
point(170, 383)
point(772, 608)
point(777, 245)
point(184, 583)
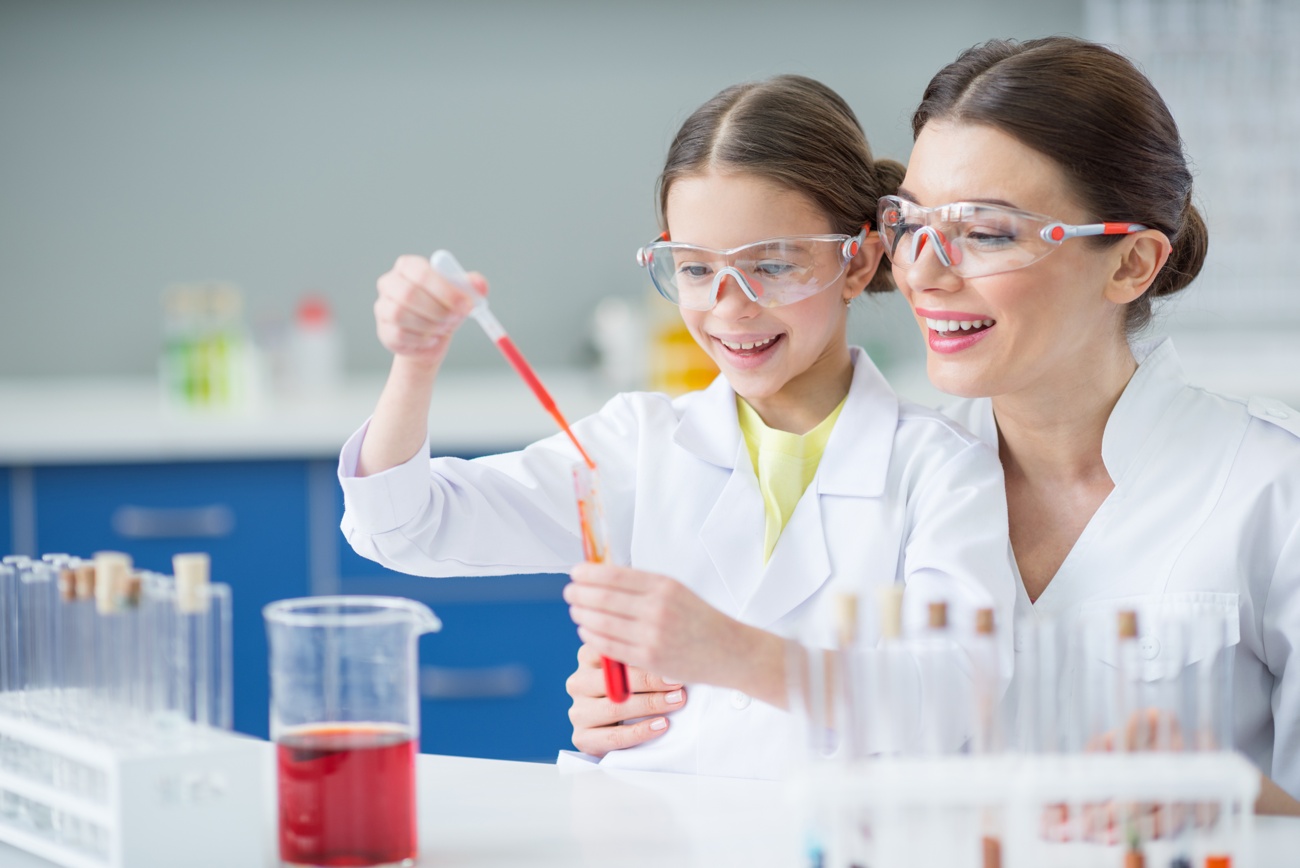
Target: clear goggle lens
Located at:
point(976, 239)
point(771, 273)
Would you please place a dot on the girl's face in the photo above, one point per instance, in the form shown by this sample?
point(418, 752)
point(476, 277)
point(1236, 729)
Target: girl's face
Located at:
point(1044, 324)
point(784, 361)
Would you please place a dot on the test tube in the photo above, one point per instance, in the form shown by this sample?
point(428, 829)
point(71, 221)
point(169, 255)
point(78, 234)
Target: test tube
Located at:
point(892, 706)
point(595, 549)
point(192, 573)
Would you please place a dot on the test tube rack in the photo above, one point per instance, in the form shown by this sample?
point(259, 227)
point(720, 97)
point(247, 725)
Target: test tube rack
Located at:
point(115, 701)
point(1029, 810)
point(188, 795)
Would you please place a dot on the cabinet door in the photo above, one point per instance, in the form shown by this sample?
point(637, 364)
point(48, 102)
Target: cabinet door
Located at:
point(492, 681)
point(251, 517)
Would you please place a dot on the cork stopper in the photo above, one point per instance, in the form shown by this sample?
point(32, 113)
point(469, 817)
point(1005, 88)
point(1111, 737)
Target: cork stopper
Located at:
point(111, 571)
point(67, 584)
point(939, 615)
point(984, 622)
point(192, 571)
point(889, 599)
point(1134, 859)
point(132, 589)
point(846, 618)
point(1128, 624)
point(85, 580)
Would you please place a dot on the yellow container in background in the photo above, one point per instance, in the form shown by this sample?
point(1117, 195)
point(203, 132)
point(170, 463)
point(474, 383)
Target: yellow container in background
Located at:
point(677, 364)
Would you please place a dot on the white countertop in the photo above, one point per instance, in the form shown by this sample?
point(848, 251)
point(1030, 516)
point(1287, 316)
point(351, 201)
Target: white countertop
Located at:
point(86, 420)
point(477, 813)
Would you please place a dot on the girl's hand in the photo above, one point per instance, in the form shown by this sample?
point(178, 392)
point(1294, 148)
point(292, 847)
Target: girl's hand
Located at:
point(417, 310)
point(658, 624)
point(598, 726)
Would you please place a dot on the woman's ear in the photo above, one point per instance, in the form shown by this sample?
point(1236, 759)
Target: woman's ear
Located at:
point(862, 267)
point(1140, 260)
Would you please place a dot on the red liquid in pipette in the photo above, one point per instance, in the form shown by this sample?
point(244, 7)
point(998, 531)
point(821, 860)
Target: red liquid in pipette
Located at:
point(516, 360)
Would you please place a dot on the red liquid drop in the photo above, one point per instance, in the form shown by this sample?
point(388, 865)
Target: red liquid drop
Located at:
point(347, 796)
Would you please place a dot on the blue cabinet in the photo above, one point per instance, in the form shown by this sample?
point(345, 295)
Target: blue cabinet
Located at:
point(251, 517)
point(492, 682)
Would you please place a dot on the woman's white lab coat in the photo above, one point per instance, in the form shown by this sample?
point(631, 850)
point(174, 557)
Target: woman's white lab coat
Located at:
point(1204, 519)
point(901, 495)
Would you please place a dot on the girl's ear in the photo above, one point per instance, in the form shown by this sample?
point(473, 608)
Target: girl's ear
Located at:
point(862, 267)
point(1140, 260)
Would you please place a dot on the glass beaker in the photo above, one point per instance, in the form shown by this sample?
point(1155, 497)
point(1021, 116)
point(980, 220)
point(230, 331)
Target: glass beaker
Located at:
point(345, 718)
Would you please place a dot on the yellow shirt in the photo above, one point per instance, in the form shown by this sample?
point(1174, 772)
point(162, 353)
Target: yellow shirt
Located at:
point(784, 463)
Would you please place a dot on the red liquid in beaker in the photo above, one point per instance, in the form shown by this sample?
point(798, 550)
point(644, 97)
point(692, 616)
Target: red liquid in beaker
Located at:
point(347, 796)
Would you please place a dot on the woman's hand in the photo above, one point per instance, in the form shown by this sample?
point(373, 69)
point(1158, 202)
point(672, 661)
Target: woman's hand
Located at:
point(418, 310)
point(658, 624)
point(598, 726)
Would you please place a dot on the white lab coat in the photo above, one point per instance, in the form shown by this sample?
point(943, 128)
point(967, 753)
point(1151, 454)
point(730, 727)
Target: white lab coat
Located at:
point(1204, 518)
point(901, 494)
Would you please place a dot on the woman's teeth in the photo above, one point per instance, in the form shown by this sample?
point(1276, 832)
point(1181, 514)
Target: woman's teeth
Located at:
point(945, 326)
point(748, 346)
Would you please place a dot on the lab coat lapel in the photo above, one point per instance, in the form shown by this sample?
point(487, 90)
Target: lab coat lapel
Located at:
point(732, 533)
point(855, 465)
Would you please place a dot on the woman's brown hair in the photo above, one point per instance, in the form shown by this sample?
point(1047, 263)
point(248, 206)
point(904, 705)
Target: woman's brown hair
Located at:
point(1100, 119)
point(795, 132)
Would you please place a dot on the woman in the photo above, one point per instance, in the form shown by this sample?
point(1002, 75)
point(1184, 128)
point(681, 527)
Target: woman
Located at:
point(1124, 483)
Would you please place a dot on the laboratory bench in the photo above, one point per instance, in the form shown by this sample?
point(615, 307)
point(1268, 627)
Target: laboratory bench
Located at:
point(89, 465)
point(482, 813)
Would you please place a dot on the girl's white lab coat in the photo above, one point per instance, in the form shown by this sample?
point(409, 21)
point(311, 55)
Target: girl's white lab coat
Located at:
point(1204, 518)
point(901, 494)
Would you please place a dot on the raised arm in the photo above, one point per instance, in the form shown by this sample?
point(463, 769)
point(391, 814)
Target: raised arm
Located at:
point(416, 314)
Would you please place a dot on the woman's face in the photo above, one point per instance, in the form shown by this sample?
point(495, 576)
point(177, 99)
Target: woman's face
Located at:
point(1040, 326)
point(774, 357)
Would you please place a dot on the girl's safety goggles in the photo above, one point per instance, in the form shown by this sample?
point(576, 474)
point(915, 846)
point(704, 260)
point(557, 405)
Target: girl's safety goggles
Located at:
point(771, 273)
point(975, 239)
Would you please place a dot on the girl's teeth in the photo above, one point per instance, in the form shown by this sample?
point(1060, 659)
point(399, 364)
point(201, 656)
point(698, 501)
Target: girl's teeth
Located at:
point(729, 345)
point(952, 325)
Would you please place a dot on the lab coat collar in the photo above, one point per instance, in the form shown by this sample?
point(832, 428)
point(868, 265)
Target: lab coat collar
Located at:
point(858, 449)
point(1141, 405)
point(1150, 391)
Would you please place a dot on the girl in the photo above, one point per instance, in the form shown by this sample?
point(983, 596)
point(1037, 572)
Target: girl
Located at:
point(1126, 486)
point(796, 474)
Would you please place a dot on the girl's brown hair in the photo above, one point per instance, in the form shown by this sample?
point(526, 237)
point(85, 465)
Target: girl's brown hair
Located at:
point(1100, 119)
point(793, 131)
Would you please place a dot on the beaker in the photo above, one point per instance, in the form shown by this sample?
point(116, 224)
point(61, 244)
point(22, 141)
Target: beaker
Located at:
point(345, 718)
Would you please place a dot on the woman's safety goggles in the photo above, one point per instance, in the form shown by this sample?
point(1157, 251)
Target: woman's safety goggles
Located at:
point(975, 239)
point(771, 273)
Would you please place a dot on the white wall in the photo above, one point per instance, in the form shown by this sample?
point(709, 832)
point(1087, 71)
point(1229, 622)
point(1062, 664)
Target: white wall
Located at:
point(293, 145)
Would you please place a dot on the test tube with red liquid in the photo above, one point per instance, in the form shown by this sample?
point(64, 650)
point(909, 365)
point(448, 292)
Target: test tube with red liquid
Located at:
point(595, 550)
point(594, 542)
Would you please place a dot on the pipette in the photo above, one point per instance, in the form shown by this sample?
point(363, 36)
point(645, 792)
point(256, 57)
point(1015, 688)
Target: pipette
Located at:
point(447, 266)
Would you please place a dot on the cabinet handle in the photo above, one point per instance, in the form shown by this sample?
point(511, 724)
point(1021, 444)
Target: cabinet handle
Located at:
point(140, 522)
point(486, 682)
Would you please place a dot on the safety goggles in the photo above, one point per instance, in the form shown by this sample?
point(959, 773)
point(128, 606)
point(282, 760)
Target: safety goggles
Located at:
point(975, 239)
point(771, 273)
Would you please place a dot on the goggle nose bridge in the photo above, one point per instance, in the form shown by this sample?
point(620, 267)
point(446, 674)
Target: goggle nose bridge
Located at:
point(740, 279)
point(937, 241)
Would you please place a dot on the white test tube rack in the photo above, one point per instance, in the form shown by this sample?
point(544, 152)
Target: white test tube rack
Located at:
point(195, 796)
point(919, 812)
point(115, 702)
